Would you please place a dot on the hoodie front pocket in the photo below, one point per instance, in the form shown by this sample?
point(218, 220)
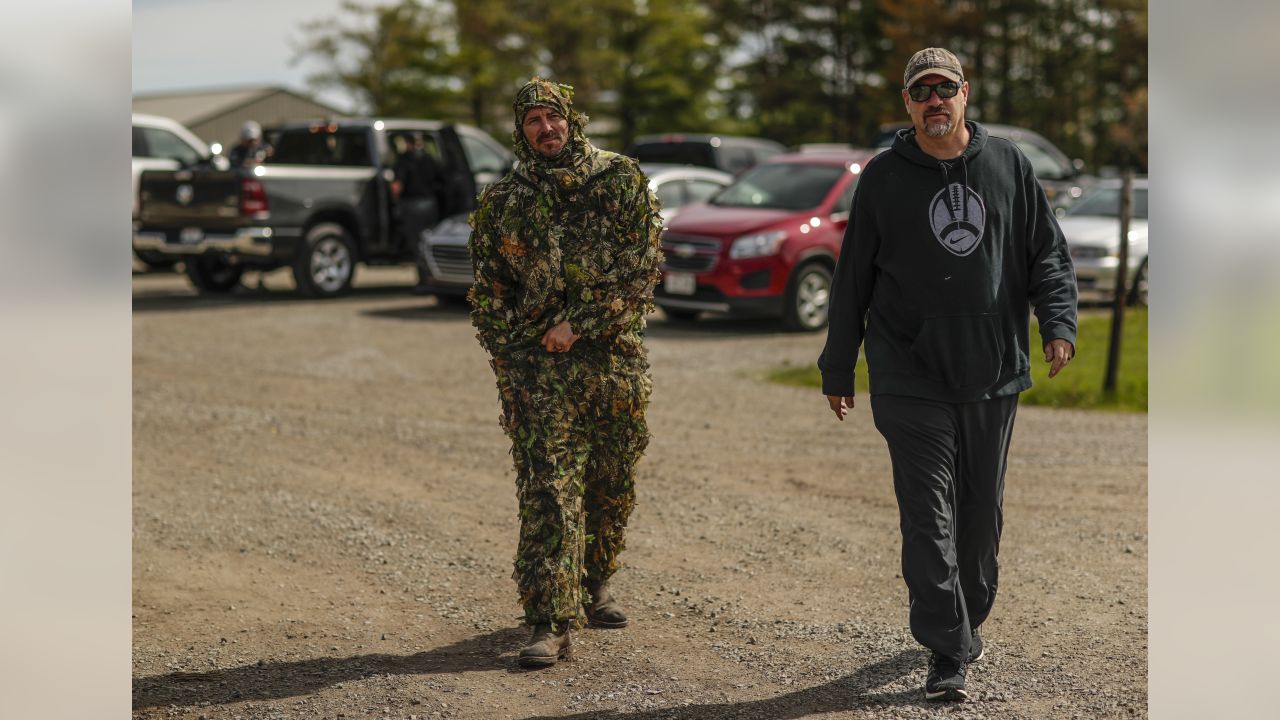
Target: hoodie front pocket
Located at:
point(960, 351)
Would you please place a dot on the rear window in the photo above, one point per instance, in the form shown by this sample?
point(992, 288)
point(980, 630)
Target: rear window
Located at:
point(675, 153)
point(348, 148)
point(781, 186)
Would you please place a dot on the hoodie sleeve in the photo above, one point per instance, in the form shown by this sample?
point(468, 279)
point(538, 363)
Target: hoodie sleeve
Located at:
point(850, 297)
point(1051, 278)
point(622, 300)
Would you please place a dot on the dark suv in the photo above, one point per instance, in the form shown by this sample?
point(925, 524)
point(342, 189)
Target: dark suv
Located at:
point(722, 152)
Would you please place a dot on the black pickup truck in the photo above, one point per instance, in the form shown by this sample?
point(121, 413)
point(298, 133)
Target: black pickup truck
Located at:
point(319, 204)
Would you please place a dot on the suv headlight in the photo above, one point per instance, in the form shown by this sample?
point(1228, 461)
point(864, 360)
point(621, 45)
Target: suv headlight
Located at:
point(757, 244)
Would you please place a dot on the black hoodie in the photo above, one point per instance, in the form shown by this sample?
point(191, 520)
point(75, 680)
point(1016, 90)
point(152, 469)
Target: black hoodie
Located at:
point(939, 263)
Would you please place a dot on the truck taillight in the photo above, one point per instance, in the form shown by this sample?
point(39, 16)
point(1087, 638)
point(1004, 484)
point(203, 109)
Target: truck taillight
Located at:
point(253, 198)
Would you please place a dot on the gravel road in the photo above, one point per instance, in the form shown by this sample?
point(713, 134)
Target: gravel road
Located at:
point(324, 520)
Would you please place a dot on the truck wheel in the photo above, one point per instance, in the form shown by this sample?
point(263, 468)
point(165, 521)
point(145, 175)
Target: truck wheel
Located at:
point(808, 298)
point(327, 263)
point(1138, 293)
point(213, 274)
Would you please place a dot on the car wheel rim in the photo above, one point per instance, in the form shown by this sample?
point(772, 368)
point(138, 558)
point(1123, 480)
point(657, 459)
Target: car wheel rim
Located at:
point(812, 299)
point(330, 264)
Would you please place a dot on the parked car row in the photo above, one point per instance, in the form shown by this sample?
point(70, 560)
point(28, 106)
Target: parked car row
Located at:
point(750, 228)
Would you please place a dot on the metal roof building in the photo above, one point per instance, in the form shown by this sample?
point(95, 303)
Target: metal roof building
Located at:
point(217, 114)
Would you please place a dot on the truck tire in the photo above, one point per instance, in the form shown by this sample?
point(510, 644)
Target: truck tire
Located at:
point(807, 302)
point(213, 274)
point(326, 262)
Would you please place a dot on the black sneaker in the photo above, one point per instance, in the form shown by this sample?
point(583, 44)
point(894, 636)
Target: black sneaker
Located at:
point(976, 650)
point(946, 679)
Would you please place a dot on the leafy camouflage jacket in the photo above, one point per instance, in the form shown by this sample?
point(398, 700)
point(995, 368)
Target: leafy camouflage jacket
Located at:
point(573, 238)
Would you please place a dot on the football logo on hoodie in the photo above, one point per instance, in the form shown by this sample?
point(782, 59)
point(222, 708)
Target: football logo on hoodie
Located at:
point(958, 218)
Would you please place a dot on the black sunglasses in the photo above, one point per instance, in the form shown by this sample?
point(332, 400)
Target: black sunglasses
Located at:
point(921, 92)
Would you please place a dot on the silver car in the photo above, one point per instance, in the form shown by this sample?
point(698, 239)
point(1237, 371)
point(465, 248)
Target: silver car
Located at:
point(443, 249)
point(1092, 229)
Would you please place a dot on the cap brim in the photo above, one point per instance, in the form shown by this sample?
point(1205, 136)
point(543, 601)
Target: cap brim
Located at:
point(948, 74)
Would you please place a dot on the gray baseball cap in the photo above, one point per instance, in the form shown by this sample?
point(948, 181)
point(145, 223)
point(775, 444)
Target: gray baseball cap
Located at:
point(933, 61)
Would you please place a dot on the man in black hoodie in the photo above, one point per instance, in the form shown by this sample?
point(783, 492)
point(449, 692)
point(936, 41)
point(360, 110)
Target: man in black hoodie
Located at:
point(949, 241)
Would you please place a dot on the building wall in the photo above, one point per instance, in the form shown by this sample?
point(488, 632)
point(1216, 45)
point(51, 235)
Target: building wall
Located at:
point(268, 110)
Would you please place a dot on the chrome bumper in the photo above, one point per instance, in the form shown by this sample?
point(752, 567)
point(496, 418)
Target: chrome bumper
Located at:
point(245, 241)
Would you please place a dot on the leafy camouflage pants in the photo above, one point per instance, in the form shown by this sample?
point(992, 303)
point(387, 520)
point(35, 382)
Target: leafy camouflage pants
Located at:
point(577, 429)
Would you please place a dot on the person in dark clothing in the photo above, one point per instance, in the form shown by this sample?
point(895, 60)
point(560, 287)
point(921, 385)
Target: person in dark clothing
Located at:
point(949, 241)
point(250, 150)
point(417, 190)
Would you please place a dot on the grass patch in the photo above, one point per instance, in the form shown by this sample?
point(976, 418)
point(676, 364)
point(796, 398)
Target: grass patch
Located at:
point(1078, 386)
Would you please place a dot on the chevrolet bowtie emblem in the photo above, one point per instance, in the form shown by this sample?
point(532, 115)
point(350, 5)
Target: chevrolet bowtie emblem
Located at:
point(683, 251)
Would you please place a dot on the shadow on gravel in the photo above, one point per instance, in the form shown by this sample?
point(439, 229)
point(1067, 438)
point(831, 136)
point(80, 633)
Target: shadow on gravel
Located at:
point(713, 328)
point(852, 692)
point(270, 681)
point(430, 310)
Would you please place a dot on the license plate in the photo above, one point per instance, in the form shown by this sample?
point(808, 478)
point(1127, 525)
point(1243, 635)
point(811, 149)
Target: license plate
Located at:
point(190, 236)
point(680, 283)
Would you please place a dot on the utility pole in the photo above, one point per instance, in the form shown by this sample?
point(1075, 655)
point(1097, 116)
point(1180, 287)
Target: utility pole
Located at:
point(1122, 290)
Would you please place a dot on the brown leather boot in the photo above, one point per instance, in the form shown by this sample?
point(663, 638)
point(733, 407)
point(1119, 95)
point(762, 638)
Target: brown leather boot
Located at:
point(603, 610)
point(545, 647)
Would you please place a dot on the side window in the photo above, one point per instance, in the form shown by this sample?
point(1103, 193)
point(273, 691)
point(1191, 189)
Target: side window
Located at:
point(481, 157)
point(671, 194)
point(139, 142)
point(702, 190)
point(1042, 163)
point(844, 203)
point(736, 159)
point(164, 144)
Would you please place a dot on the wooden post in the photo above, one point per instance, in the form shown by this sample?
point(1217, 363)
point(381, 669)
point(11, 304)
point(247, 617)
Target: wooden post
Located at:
point(1122, 287)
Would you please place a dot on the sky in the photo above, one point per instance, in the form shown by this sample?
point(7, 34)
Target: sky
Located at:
point(194, 44)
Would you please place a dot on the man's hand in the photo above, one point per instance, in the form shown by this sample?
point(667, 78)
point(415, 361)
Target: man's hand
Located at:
point(559, 338)
point(840, 405)
point(1058, 353)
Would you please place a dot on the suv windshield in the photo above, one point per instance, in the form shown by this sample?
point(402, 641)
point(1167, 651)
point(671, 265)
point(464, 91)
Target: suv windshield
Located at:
point(320, 147)
point(1106, 203)
point(781, 186)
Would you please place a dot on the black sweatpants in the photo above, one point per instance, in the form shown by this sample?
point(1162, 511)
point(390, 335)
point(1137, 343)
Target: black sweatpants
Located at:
point(949, 461)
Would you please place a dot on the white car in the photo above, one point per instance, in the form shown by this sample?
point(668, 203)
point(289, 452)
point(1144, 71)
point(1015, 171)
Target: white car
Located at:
point(1092, 229)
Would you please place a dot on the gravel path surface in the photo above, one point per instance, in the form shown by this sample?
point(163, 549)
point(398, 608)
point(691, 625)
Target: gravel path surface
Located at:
point(324, 520)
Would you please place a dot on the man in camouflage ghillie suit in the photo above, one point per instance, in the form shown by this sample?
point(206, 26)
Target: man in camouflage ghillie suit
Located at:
point(566, 257)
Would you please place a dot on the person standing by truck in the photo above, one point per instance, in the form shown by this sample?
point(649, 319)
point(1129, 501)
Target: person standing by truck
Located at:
point(250, 150)
point(416, 190)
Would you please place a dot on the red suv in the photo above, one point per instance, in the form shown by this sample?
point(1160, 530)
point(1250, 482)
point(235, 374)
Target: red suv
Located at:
point(765, 245)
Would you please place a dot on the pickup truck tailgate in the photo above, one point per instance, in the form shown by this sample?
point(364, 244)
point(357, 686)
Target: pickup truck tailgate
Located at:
point(205, 198)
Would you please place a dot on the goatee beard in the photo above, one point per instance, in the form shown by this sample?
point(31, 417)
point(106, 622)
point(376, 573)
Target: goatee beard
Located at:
point(938, 129)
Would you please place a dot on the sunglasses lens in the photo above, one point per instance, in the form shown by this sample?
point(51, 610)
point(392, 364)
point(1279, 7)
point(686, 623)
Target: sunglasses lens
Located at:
point(920, 93)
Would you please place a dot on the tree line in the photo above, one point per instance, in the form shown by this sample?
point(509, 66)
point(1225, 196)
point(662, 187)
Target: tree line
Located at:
point(794, 71)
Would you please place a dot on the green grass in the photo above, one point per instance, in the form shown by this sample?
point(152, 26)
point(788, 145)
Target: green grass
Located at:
point(1077, 386)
